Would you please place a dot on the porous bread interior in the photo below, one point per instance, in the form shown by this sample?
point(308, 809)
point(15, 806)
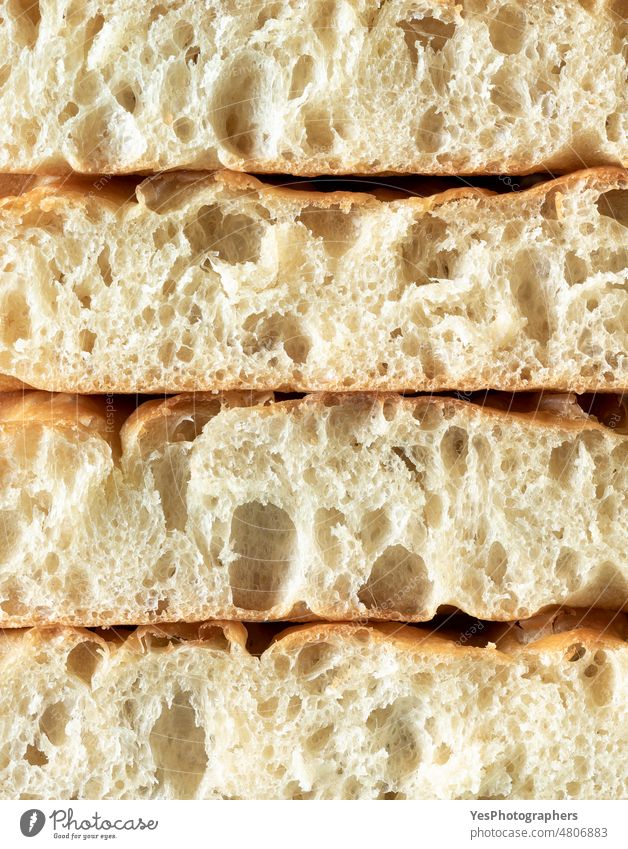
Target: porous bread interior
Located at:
point(336, 506)
point(217, 283)
point(337, 713)
point(336, 86)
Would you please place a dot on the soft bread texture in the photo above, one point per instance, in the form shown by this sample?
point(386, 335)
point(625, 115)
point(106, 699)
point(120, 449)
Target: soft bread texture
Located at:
point(329, 86)
point(337, 507)
point(327, 711)
point(196, 282)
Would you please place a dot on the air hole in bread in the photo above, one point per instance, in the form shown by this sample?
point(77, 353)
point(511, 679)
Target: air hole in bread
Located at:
point(268, 707)
point(104, 266)
point(334, 226)
point(603, 683)
point(507, 29)
point(433, 510)
point(529, 270)
point(397, 736)
point(5, 71)
point(82, 661)
point(34, 756)
point(302, 73)
point(185, 354)
point(53, 722)
point(87, 340)
point(575, 652)
point(12, 604)
point(497, 564)
point(157, 11)
point(237, 109)
point(326, 523)
point(269, 12)
point(404, 456)
point(192, 54)
point(318, 130)
point(429, 136)
point(16, 318)
point(562, 461)
point(162, 606)
point(183, 34)
point(84, 297)
point(92, 28)
point(70, 110)
point(314, 660)
point(317, 741)
point(264, 539)
point(177, 744)
point(234, 238)
point(293, 708)
point(184, 129)
point(86, 91)
point(568, 568)
point(399, 581)
point(614, 130)
point(614, 205)
point(171, 475)
point(504, 92)
point(375, 530)
point(428, 33)
point(422, 259)
point(51, 563)
point(576, 270)
point(429, 416)
point(276, 329)
point(442, 754)
point(26, 15)
point(126, 98)
point(454, 448)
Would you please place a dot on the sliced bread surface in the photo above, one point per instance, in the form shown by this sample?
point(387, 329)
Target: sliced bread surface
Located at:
point(329, 86)
point(199, 282)
point(327, 711)
point(332, 506)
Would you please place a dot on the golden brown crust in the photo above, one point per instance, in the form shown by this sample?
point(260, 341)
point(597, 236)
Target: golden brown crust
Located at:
point(549, 627)
point(64, 410)
point(121, 189)
point(197, 633)
point(592, 634)
point(204, 404)
point(56, 409)
point(419, 640)
point(11, 384)
point(534, 418)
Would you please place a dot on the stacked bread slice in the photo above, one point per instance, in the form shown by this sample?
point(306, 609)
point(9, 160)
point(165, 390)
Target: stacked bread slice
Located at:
point(279, 476)
point(326, 711)
point(187, 281)
point(332, 506)
point(328, 86)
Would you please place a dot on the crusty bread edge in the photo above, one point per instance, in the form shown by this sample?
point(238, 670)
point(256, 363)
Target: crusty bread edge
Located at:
point(591, 632)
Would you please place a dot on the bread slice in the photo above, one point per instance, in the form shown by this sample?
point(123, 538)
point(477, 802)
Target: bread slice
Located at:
point(197, 282)
point(328, 86)
point(327, 711)
point(338, 507)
